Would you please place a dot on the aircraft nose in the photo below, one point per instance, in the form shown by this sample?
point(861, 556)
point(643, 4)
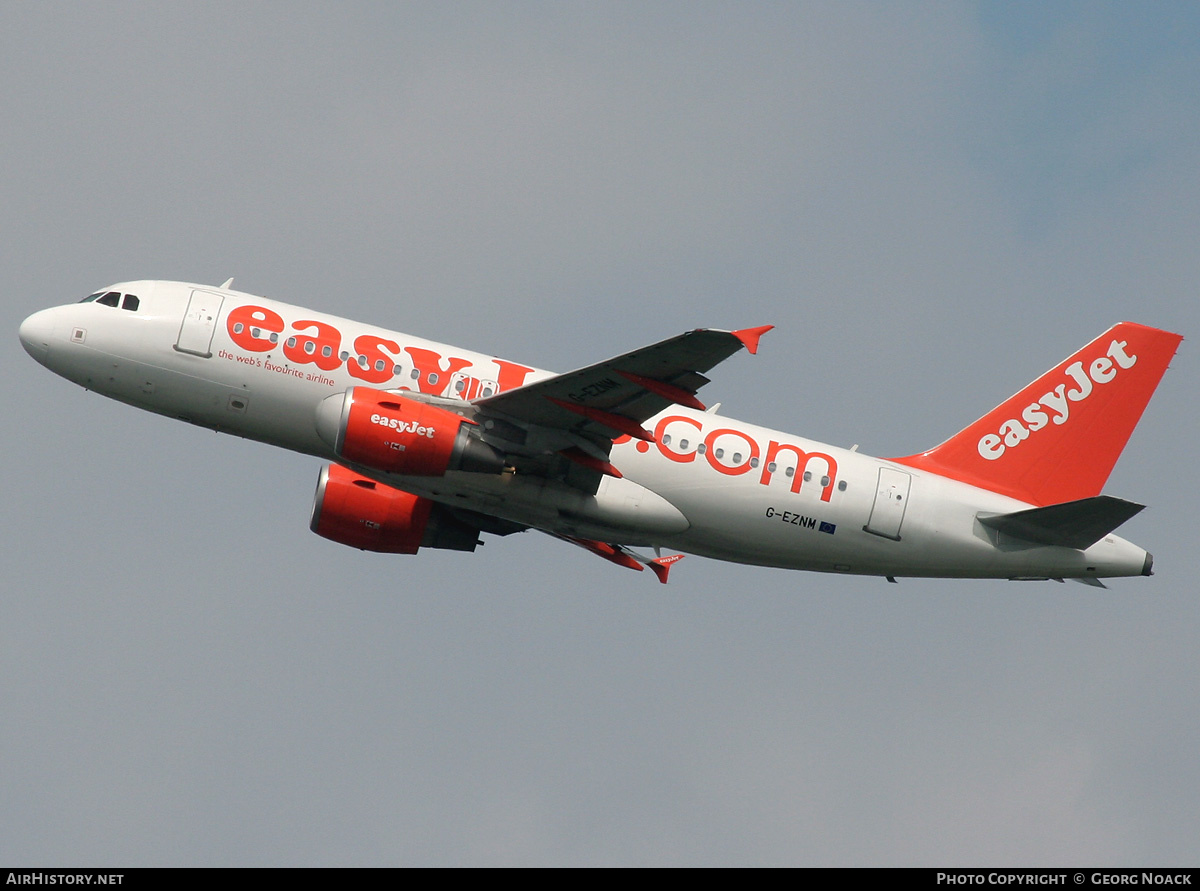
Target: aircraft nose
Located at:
point(35, 334)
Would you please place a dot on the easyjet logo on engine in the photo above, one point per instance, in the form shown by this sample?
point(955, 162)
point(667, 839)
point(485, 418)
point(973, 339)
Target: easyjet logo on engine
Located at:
point(374, 359)
point(404, 426)
point(1054, 406)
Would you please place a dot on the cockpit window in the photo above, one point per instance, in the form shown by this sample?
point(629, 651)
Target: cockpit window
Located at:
point(113, 298)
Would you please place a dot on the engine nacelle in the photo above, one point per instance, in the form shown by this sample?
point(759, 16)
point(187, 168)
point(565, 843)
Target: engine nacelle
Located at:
point(394, 434)
point(359, 512)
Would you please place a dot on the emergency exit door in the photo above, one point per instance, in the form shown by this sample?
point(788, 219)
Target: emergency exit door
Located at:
point(891, 500)
point(199, 324)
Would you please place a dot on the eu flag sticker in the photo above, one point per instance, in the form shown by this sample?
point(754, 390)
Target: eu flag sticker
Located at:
point(827, 527)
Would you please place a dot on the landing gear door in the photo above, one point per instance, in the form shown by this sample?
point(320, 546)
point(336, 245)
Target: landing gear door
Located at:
point(891, 500)
point(199, 324)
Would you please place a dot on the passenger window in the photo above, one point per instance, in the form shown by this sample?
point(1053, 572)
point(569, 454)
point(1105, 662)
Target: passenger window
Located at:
point(130, 303)
point(109, 299)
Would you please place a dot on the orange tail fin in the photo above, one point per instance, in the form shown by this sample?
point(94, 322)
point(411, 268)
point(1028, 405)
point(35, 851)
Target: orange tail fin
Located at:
point(1058, 439)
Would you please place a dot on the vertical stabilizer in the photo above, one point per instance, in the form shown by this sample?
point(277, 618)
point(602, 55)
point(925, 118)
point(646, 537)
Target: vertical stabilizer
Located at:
point(1058, 439)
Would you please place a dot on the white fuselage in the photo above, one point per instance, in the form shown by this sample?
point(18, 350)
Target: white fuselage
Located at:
point(707, 485)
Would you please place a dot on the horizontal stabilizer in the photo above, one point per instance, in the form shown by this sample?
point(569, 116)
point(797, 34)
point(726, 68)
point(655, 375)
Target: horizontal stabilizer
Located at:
point(1072, 524)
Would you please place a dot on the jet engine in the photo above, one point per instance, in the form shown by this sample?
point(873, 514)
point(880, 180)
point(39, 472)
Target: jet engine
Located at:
point(395, 434)
point(359, 512)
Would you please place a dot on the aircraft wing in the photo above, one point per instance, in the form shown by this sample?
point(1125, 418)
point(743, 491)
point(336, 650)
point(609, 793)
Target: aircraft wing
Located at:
point(562, 428)
point(604, 401)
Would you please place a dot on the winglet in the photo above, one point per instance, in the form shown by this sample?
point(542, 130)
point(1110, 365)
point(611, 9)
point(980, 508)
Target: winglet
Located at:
point(749, 336)
point(662, 565)
point(623, 556)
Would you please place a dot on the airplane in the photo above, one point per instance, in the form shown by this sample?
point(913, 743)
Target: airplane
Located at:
point(430, 445)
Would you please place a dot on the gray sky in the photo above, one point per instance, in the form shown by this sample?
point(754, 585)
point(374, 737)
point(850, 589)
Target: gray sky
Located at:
point(934, 203)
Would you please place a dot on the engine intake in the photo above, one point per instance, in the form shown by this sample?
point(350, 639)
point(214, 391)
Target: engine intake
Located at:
point(394, 434)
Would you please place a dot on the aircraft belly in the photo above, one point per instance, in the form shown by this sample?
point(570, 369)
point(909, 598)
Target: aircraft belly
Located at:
point(200, 396)
point(620, 511)
point(740, 521)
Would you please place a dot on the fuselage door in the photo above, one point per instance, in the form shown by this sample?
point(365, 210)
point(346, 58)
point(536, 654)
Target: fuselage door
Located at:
point(891, 500)
point(199, 323)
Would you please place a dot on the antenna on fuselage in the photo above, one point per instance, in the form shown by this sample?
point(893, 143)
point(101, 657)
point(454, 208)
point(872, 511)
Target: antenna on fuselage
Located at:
point(227, 284)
